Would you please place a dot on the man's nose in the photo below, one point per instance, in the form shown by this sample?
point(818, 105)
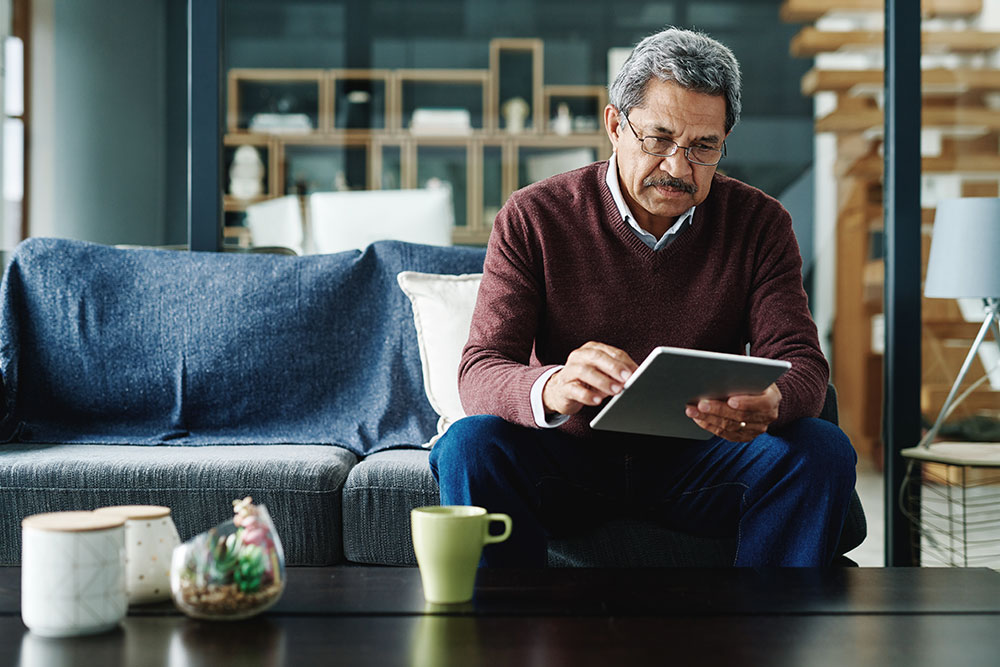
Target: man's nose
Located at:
point(676, 165)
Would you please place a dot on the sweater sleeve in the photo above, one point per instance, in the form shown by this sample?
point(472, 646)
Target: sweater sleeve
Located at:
point(497, 368)
point(780, 325)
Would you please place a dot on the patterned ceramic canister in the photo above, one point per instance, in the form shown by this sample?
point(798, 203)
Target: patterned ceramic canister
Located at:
point(72, 573)
point(150, 538)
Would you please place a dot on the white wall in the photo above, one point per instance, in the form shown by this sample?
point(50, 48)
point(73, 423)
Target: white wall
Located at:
point(98, 120)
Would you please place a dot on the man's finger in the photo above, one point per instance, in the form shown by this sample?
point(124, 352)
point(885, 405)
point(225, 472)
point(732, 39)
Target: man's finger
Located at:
point(614, 362)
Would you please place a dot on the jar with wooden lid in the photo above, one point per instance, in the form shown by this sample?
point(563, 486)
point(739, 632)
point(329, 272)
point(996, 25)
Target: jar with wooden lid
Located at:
point(72, 573)
point(150, 538)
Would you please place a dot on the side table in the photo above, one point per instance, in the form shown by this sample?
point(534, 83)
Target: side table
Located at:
point(951, 494)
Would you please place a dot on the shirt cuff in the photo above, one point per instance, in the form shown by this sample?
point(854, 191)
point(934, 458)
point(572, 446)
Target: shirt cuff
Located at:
point(538, 408)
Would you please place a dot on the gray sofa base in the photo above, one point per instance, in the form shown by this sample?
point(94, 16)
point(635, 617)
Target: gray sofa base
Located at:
point(300, 484)
point(385, 486)
point(326, 504)
point(382, 489)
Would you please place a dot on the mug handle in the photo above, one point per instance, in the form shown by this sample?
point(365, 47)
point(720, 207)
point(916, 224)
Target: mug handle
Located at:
point(503, 518)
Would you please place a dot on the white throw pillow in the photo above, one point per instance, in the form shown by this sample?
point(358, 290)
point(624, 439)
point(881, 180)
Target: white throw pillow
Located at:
point(442, 314)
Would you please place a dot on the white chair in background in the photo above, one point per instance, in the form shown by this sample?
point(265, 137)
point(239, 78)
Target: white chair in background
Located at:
point(277, 223)
point(341, 221)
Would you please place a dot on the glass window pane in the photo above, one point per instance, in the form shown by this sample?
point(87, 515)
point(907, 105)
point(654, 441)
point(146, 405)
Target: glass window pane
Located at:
point(13, 70)
point(457, 66)
point(13, 180)
point(960, 158)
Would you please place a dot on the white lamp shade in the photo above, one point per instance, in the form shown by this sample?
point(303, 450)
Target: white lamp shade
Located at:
point(965, 249)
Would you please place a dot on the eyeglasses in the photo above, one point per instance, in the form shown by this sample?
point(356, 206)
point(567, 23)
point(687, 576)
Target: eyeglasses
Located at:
point(663, 147)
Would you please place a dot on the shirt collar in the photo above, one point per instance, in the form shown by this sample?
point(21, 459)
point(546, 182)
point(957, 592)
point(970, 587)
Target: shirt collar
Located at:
point(616, 194)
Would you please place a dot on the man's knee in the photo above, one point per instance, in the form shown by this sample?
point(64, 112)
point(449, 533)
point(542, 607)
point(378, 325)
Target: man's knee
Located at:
point(820, 446)
point(470, 444)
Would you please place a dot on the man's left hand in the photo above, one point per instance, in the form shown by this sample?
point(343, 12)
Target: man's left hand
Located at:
point(740, 418)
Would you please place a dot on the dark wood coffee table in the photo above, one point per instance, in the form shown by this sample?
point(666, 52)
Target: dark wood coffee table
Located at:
point(377, 616)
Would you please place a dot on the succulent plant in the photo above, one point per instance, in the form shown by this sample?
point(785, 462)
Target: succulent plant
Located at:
point(250, 568)
point(225, 556)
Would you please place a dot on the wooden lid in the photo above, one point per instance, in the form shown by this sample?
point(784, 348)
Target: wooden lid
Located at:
point(136, 511)
point(72, 522)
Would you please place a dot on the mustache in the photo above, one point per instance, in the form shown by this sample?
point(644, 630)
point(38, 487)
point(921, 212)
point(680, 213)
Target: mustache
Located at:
point(671, 182)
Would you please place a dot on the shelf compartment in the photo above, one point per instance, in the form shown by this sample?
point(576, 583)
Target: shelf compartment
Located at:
point(387, 164)
point(291, 101)
point(266, 150)
point(541, 157)
point(494, 187)
point(323, 164)
point(447, 163)
point(443, 90)
point(360, 99)
point(517, 70)
point(583, 102)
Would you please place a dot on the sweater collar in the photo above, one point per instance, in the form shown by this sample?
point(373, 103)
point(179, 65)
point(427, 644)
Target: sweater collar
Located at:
point(611, 179)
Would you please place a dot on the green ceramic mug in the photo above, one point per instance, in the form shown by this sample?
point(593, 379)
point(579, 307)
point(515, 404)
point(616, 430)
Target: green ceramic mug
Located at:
point(448, 541)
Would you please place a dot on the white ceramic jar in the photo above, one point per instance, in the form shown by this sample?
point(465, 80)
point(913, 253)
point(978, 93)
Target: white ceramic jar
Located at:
point(72, 573)
point(150, 538)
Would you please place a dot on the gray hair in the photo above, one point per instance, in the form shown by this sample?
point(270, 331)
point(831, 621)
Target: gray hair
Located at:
point(691, 59)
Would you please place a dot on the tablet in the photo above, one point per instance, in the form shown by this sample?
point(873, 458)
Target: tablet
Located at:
point(670, 378)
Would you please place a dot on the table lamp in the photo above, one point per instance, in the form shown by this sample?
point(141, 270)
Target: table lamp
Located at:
point(965, 263)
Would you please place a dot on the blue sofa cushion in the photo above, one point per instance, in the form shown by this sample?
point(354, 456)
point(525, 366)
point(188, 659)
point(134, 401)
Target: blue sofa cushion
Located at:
point(149, 347)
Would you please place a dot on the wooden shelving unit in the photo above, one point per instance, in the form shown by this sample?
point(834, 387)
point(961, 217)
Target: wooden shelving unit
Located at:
point(805, 11)
point(961, 157)
point(811, 41)
point(367, 111)
point(932, 80)
point(862, 120)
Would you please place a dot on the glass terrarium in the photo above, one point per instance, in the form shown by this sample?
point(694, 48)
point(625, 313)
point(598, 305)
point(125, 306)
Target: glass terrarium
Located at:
point(232, 571)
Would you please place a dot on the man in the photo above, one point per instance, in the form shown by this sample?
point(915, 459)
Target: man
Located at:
point(587, 272)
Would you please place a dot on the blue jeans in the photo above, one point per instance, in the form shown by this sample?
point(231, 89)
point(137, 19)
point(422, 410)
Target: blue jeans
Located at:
point(784, 495)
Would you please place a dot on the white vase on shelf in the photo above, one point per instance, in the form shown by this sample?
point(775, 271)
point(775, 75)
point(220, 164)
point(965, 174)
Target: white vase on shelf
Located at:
point(515, 112)
point(246, 173)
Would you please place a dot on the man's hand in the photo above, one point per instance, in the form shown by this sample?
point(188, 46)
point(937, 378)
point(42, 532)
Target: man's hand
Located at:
point(741, 418)
point(592, 372)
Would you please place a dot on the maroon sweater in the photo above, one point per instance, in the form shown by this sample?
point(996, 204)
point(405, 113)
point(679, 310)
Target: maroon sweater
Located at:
point(563, 268)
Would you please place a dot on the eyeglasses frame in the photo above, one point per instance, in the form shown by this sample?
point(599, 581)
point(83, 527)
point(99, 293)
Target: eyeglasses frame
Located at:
point(687, 149)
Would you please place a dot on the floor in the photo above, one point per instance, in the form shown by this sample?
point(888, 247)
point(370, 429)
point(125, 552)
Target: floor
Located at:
point(870, 488)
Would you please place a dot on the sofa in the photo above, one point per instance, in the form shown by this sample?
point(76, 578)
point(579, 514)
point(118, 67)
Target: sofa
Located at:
point(313, 383)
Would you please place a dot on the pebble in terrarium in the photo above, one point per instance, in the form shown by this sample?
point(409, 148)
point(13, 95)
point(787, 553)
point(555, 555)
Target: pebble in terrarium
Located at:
point(232, 571)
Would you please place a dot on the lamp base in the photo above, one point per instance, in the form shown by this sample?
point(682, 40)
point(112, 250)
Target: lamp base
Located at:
point(989, 322)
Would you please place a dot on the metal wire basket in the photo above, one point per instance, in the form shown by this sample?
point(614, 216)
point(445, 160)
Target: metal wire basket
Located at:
point(951, 495)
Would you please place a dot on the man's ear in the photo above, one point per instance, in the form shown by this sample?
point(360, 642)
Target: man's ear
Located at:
point(611, 124)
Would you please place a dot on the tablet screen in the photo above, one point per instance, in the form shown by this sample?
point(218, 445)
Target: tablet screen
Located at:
point(670, 378)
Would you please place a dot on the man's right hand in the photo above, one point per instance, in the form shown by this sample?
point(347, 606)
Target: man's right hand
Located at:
point(592, 372)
